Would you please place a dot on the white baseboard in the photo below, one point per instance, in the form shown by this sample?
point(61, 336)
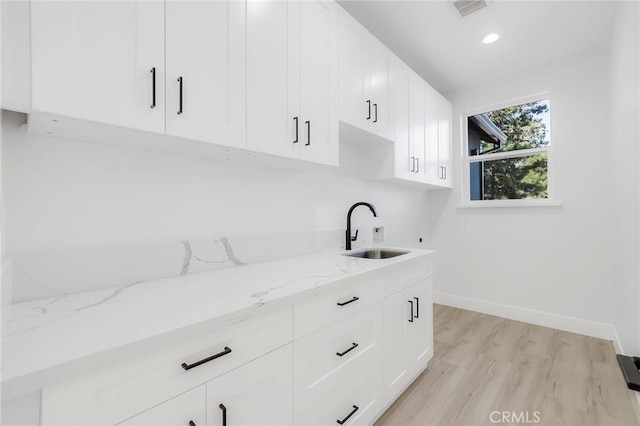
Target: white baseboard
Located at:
point(545, 319)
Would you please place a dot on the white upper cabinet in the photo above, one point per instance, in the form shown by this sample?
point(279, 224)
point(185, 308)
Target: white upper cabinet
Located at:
point(99, 61)
point(399, 84)
point(292, 79)
point(364, 78)
point(205, 71)
point(417, 127)
point(273, 122)
point(319, 81)
point(444, 142)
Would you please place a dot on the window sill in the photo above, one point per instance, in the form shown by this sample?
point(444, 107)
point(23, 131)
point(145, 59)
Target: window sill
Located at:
point(508, 203)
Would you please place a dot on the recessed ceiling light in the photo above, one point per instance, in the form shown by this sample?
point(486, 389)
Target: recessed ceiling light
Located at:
point(490, 38)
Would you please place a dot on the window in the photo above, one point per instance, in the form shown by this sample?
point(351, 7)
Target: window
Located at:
point(507, 154)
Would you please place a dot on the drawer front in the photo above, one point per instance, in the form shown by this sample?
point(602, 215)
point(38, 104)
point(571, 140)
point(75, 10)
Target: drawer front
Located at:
point(115, 393)
point(405, 275)
point(316, 312)
point(188, 407)
point(322, 361)
point(364, 390)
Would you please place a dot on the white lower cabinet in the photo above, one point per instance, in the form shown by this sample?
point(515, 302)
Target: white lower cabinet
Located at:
point(325, 359)
point(258, 393)
point(341, 355)
point(358, 402)
point(186, 409)
point(407, 336)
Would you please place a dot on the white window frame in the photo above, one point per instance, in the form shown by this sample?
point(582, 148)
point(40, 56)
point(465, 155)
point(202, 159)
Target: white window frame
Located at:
point(467, 159)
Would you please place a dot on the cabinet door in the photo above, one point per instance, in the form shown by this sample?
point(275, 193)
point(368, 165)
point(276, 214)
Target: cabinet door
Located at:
point(319, 81)
point(399, 80)
point(432, 119)
point(353, 73)
point(94, 60)
point(205, 71)
point(444, 141)
point(258, 393)
point(396, 318)
point(420, 347)
point(188, 407)
point(274, 125)
point(417, 126)
point(378, 65)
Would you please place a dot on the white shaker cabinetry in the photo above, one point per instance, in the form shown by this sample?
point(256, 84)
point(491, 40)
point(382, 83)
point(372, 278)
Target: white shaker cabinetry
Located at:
point(292, 104)
point(407, 336)
point(444, 142)
point(205, 71)
point(187, 409)
point(99, 61)
point(258, 393)
point(364, 78)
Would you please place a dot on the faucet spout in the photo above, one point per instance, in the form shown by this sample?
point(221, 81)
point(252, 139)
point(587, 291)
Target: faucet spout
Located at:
point(349, 238)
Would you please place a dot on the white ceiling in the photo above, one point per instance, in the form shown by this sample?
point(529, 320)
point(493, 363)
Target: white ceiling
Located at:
point(447, 51)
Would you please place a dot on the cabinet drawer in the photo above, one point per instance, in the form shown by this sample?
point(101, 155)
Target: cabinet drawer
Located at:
point(325, 308)
point(324, 360)
point(364, 390)
point(405, 275)
point(188, 407)
point(114, 393)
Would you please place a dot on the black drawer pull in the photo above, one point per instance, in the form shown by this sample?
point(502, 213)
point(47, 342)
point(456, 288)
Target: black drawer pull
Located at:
point(348, 301)
point(411, 303)
point(417, 307)
point(180, 107)
point(224, 414)
point(343, 421)
point(211, 358)
point(153, 87)
point(353, 346)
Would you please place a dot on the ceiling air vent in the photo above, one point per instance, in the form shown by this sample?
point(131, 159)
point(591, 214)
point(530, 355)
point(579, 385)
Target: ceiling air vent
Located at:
point(466, 7)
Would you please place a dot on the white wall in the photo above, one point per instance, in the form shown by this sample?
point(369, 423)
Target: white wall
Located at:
point(624, 142)
point(547, 265)
point(81, 197)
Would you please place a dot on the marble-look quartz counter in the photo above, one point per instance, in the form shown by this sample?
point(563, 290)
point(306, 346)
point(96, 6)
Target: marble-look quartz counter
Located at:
point(48, 340)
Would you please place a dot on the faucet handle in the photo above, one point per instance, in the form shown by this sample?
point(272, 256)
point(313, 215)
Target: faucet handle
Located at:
point(356, 236)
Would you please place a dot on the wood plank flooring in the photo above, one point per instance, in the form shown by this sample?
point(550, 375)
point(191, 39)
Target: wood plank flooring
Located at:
point(536, 375)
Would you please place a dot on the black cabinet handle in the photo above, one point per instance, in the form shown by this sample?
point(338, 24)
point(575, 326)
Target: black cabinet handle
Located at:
point(417, 307)
point(180, 109)
point(308, 123)
point(445, 172)
point(343, 421)
point(411, 303)
point(353, 346)
point(348, 301)
point(296, 121)
point(153, 87)
point(202, 361)
point(369, 103)
point(224, 414)
point(413, 164)
point(417, 164)
point(375, 110)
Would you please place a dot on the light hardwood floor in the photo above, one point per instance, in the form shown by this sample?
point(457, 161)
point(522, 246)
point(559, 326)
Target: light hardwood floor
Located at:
point(484, 364)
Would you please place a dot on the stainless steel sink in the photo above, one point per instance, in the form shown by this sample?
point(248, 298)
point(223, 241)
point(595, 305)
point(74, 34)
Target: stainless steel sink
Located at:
point(377, 253)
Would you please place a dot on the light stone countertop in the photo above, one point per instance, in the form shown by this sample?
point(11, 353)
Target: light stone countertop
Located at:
point(47, 340)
